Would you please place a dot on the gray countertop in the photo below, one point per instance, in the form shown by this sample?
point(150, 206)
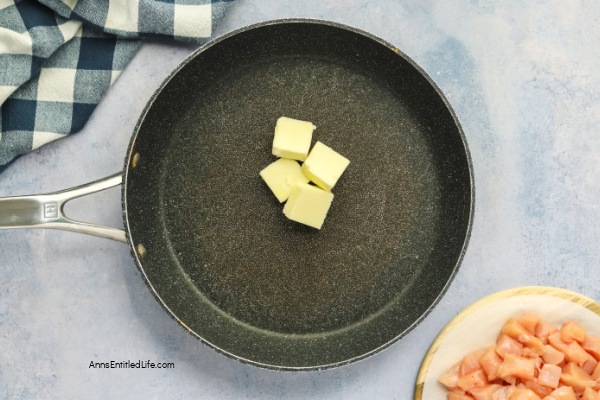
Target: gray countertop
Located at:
point(524, 80)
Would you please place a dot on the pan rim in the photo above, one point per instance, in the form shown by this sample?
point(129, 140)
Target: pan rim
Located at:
point(130, 152)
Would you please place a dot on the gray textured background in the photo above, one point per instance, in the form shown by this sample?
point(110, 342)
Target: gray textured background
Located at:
point(523, 78)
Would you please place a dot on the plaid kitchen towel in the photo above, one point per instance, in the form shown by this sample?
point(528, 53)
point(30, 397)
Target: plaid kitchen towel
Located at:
point(58, 58)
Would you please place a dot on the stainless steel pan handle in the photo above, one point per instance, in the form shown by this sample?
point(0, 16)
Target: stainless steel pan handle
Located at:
point(46, 210)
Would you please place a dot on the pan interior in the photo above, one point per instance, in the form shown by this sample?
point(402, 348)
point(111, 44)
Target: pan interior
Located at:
point(229, 231)
point(398, 221)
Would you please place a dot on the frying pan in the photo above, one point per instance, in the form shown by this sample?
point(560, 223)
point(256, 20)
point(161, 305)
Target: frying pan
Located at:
point(210, 239)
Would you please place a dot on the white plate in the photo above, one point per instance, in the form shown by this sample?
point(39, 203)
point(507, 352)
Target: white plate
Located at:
point(478, 325)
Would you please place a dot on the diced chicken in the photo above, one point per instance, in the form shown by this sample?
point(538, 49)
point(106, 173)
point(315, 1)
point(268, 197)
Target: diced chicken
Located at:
point(472, 380)
point(562, 393)
point(504, 392)
point(531, 360)
point(571, 331)
point(577, 354)
point(573, 351)
point(521, 368)
point(575, 377)
point(590, 365)
point(596, 373)
point(470, 363)
point(555, 340)
point(513, 328)
point(507, 345)
point(450, 378)
point(455, 395)
point(528, 352)
point(524, 394)
point(552, 355)
point(590, 394)
point(489, 361)
point(485, 393)
point(591, 344)
point(539, 389)
point(543, 329)
point(530, 322)
point(549, 375)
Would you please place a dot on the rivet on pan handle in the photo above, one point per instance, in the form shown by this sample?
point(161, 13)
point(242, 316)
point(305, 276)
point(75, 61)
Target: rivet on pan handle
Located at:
point(46, 210)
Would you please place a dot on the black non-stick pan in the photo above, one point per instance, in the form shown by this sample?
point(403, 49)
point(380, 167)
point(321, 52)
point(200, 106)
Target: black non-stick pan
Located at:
point(211, 240)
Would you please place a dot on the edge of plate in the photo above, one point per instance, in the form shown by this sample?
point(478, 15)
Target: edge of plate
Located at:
point(561, 293)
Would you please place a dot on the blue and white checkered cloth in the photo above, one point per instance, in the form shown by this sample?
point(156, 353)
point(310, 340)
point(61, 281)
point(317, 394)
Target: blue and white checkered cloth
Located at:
point(59, 57)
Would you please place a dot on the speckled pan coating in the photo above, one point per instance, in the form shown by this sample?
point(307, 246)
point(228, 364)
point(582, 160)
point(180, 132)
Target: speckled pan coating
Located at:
point(220, 255)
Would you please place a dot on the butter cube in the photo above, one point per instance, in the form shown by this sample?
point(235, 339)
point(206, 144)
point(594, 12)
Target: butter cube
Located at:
point(281, 176)
point(324, 166)
point(308, 205)
point(292, 138)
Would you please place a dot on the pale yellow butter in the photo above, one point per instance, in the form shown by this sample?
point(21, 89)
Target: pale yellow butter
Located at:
point(281, 176)
point(308, 205)
point(292, 138)
point(324, 166)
